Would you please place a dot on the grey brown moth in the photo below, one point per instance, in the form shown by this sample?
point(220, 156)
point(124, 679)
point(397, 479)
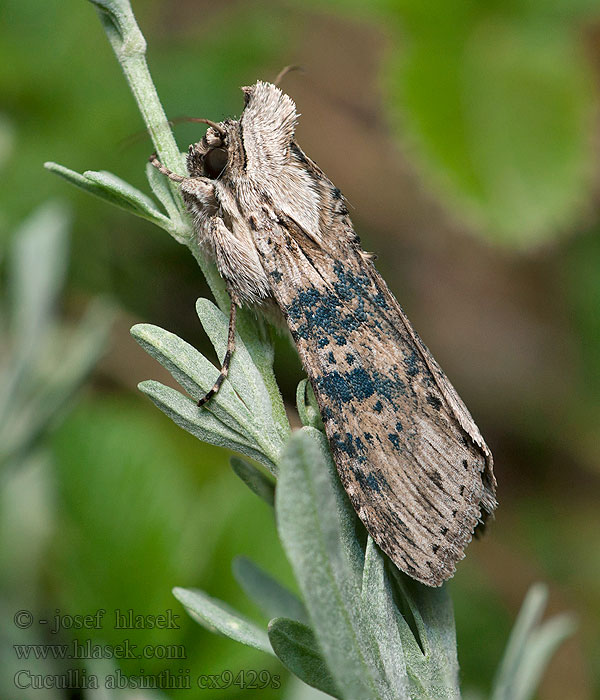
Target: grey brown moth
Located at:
point(408, 453)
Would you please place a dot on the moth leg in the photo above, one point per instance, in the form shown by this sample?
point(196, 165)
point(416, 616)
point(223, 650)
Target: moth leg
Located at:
point(228, 355)
point(165, 171)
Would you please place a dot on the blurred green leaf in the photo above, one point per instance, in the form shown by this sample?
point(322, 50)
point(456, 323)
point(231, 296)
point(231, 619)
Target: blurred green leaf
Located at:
point(219, 617)
point(38, 262)
point(270, 596)
point(497, 111)
point(530, 648)
point(296, 646)
point(43, 364)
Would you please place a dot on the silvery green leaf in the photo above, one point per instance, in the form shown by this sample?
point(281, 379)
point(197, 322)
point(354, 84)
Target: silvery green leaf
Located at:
point(431, 660)
point(202, 424)
point(306, 404)
point(257, 343)
point(530, 647)
point(244, 376)
point(197, 375)
point(271, 597)
point(320, 542)
point(219, 617)
point(116, 191)
point(296, 646)
point(255, 480)
point(379, 609)
point(194, 373)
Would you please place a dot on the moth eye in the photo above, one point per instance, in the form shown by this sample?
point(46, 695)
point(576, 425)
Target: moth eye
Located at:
point(214, 162)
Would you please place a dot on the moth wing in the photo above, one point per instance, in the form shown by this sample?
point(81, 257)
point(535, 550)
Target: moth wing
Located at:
point(414, 464)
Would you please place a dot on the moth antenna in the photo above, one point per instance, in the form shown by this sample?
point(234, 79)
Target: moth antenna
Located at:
point(127, 141)
point(284, 71)
point(217, 127)
point(228, 355)
point(165, 171)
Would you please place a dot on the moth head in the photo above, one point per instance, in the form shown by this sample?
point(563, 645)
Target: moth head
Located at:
point(216, 155)
point(258, 143)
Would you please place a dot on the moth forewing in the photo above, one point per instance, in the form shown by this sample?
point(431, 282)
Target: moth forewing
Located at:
point(408, 453)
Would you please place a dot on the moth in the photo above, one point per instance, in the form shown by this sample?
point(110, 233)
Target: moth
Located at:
point(410, 457)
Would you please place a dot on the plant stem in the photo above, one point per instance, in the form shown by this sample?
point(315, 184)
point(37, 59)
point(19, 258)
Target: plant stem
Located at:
point(129, 46)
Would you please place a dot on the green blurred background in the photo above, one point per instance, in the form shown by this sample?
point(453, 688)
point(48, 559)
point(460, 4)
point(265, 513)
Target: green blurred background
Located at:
point(465, 136)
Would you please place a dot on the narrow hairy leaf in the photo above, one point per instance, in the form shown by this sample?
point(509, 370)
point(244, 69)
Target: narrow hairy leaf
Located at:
point(296, 646)
point(431, 662)
point(219, 617)
point(255, 480)
point(194, 373)
point(271, 597)
point(114, 190)
point(255, 359)
point(379, 609)
point(202, 424)
point(316, 534)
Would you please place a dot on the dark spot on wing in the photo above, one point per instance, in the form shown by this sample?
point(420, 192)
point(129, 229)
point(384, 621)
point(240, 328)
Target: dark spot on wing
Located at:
point(344, 444)
point(395, 440)
point(436, 477)
point(434, 401)
point(378, 407)
point(276, 275)
point(372, 482)
point(412, 363)
point(349, 358)
point(331, 358)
